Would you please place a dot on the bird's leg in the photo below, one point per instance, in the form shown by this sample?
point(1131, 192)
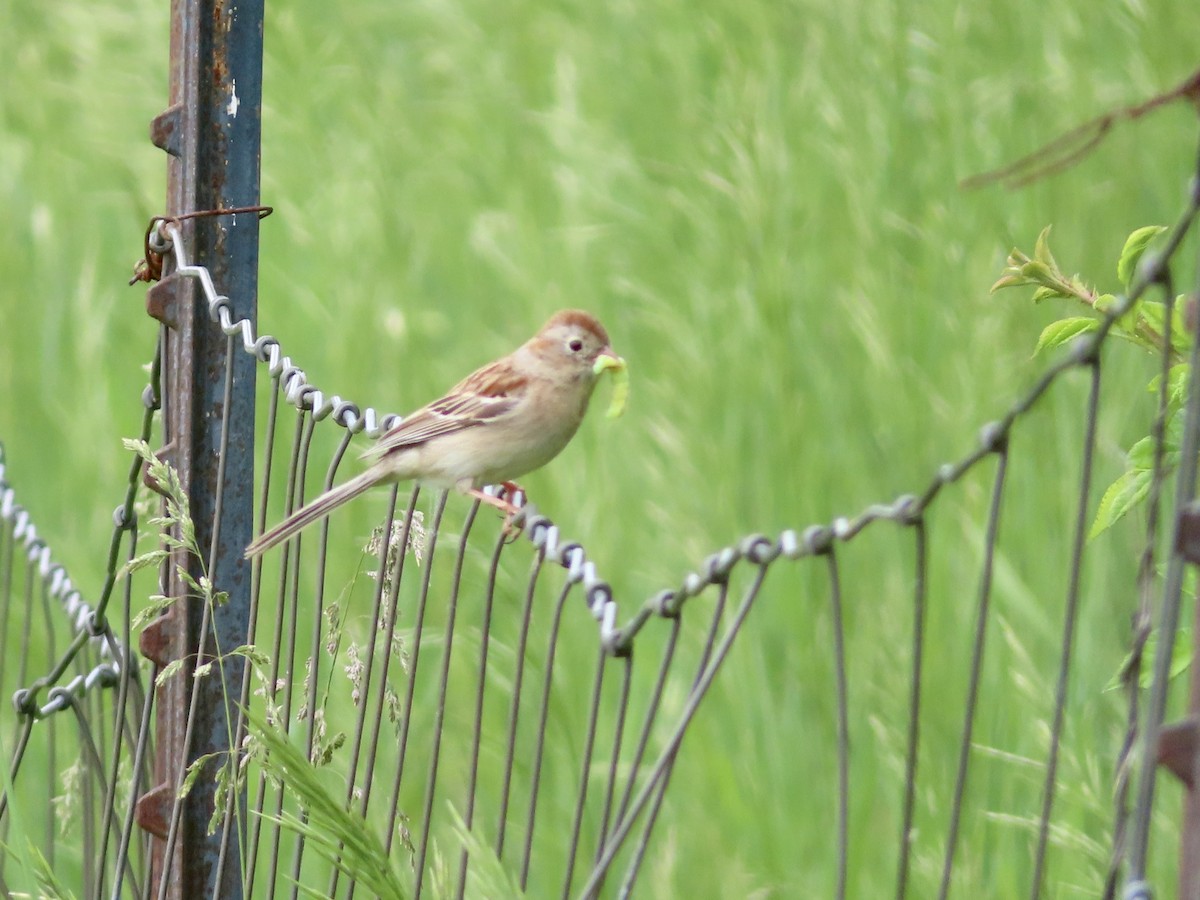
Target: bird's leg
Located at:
point(499, 502)
point(509, 489)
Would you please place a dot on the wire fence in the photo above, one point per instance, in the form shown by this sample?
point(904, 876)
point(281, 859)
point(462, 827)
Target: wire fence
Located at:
point(398, 720)
point(449, 705)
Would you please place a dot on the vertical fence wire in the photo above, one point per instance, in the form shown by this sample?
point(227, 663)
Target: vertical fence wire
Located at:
point(982, 618)
point(1172, 591)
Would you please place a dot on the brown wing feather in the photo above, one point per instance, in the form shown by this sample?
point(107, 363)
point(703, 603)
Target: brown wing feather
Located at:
point(480, 397)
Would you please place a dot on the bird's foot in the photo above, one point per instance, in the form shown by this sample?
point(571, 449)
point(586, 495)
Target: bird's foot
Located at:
point(501, 501)
point(510, 490)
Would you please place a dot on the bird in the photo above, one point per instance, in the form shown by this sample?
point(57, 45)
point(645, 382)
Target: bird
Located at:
point(502, 421)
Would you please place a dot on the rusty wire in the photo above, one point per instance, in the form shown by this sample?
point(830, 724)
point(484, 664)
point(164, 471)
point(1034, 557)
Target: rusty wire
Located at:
point(149, 268)
point(1069, 148)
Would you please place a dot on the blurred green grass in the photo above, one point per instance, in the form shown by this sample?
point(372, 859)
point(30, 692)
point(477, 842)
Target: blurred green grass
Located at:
point(759, 199)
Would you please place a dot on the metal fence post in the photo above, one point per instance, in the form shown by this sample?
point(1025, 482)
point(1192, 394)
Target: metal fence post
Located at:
point(1179, 742)
point(211, 131)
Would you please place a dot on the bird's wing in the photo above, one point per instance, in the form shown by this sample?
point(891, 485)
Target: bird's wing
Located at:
point(481, 397)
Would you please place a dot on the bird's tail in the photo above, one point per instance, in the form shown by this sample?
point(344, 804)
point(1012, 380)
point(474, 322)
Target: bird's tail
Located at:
point(316, 509)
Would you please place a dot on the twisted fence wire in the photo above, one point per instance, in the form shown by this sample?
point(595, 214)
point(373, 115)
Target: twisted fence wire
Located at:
point(105, 691)
point(569, 814)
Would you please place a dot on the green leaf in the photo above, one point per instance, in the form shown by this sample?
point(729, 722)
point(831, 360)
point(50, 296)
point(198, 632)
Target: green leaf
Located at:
point(1038, 272)
point(1122, 495)
point(1010, 280)
point(1041, 249)
point(1135, 246)
point(1181, 661)
point(1173, 439)
point(1128, 320)
point(1177, 379)
point(1058, 333)
point(1046, 293)
point(1141, 454)
point(1181, 334)
point(1154, 314)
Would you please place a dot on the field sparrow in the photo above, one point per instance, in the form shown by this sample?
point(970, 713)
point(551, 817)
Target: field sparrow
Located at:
point(499, 423)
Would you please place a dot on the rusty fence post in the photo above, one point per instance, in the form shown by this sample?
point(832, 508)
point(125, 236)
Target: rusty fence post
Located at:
point(1179, 742)
point(211, 132)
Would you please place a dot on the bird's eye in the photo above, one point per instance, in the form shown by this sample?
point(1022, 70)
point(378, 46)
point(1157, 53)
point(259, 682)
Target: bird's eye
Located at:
point(575, 344)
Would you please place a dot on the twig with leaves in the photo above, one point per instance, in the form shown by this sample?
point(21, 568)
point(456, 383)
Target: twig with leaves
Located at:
point(1144, 325)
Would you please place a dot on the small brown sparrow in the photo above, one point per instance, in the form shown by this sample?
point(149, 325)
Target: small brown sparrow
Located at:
point(500, 422)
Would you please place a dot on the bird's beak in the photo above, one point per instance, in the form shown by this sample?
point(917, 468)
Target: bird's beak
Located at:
point(607, 360)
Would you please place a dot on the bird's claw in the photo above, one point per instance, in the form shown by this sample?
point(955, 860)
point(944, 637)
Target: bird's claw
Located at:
point(509, 531)
point(508, 489)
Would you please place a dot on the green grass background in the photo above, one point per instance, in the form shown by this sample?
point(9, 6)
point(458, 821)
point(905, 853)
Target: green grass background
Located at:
point(759, 199)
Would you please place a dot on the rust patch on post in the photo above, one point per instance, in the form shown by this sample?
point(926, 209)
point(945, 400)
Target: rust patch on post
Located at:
point(164, 130)
point(153, 810)
point(1177, 746)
